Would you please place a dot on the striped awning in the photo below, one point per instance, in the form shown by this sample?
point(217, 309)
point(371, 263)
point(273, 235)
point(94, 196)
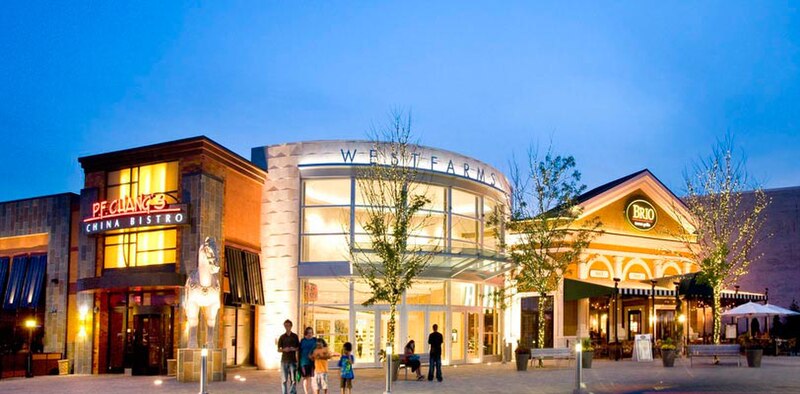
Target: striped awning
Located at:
point(660, 291)
point(743, 295)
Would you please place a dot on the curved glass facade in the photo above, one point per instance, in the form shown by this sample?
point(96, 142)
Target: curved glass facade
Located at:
point(453, 222)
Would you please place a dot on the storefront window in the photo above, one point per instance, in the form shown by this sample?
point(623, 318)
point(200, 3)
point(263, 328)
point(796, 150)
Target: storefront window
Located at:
point(464, 294)
point(134, 181)
point(329, 323)
point(465, 204)
point(326, 192)
point(426, 293)
point(326, 220)
point(136, 249)
point(362, 293)
point(490, 332)
point(326, 291)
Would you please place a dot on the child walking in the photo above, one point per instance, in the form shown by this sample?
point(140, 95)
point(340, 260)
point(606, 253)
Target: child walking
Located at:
point(346, 368)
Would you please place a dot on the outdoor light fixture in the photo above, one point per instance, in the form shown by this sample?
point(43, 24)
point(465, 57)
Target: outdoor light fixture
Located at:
point(578, 366)
point(389, 352)
point(203, 370)
point(158, 382)
point(30, 324)
point(682, 319)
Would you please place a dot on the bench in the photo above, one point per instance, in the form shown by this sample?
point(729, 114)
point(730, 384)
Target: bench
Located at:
point(424, 359)
point(552, 353)
point(716, 351)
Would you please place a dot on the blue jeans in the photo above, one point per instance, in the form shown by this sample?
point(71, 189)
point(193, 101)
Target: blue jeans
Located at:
point(288, 373)
point(435, 363)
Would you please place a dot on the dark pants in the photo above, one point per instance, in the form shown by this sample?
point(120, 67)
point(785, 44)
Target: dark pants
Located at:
point(435, 363)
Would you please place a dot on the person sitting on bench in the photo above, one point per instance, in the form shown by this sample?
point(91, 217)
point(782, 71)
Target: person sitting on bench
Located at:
point(412, 360)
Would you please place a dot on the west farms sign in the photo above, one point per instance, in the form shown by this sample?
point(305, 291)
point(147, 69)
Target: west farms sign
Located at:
point(140, 211)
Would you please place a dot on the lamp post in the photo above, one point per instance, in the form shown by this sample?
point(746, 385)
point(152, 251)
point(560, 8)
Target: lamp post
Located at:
point(578, 369)
point(30, 324)
point(389, 351)
point(616, 321)
point(653, 315)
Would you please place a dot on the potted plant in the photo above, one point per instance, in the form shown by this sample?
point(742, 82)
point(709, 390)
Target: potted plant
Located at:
point(668, 351)
point(754, 351)
point(587, 353)
point(523, 355)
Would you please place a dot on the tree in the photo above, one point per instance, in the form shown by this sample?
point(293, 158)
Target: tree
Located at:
point(727, 221)
point(545, 225)
point(393, 212)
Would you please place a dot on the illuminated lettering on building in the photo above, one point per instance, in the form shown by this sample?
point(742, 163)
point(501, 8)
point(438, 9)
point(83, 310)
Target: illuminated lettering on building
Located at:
point(431, 162)
point(129, 211)
point(641, 215)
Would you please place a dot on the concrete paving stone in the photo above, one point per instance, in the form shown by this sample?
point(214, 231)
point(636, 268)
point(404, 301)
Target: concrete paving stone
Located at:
point(777, 375)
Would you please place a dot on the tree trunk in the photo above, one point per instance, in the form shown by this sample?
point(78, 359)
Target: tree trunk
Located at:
point(391, 325)
point(542, 322)
point(716, 313)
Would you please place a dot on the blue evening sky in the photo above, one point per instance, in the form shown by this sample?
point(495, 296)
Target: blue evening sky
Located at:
point(619, 85)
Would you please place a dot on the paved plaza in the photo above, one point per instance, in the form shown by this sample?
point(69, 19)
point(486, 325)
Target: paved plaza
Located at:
point(777, 375)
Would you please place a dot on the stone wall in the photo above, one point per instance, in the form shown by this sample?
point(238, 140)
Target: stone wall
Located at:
point(779, 267)
point(51, 215)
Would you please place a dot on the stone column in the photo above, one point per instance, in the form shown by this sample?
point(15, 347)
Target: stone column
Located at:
point(280, 249)
point(204, 193)
point(87, 262)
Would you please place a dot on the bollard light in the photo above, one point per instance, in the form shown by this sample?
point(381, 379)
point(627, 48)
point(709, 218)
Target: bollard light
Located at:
point(204, 370)
point(578, 361)
point(389, 352)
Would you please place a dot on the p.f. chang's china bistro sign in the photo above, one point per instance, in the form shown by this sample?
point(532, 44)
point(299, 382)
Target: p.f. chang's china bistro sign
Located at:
point(139, 211)
point(641, 215)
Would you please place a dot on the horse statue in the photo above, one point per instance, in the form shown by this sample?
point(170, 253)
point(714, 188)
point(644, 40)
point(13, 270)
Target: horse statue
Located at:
point(203, 291)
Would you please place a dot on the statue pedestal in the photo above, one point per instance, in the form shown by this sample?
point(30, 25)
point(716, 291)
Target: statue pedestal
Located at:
point(189, 365)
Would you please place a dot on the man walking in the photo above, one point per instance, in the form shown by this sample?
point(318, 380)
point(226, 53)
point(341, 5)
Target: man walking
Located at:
point(288, 345)
point(435, 341)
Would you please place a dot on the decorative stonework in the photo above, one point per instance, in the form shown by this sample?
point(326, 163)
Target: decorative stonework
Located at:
point(189, 361)
point(51, 215)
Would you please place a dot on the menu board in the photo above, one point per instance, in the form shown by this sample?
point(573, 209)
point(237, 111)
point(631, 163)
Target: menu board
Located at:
point(642, 348)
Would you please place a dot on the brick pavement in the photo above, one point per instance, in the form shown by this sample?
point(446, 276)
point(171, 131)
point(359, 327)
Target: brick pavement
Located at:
point(778, 374)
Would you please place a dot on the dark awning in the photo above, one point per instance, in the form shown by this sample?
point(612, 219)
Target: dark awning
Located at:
point(244, 275)
point(34, 281)
point(692, 286)
point(16, 281)
point(576, 289)
point(4, 262)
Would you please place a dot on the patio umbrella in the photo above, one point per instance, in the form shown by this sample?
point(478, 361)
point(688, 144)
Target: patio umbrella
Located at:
point(750, 309)
point(779, 311)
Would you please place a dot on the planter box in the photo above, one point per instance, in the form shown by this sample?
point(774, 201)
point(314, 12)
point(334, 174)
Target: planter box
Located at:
point(668, 358)
point(522, 361)
point(754, 357)
point(586, 359)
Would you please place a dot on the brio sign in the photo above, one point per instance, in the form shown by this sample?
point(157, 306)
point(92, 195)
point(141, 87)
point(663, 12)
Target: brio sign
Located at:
point(139, 211)
point(641, 215)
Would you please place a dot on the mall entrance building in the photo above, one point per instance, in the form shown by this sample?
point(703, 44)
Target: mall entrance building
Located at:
point(309, 276)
